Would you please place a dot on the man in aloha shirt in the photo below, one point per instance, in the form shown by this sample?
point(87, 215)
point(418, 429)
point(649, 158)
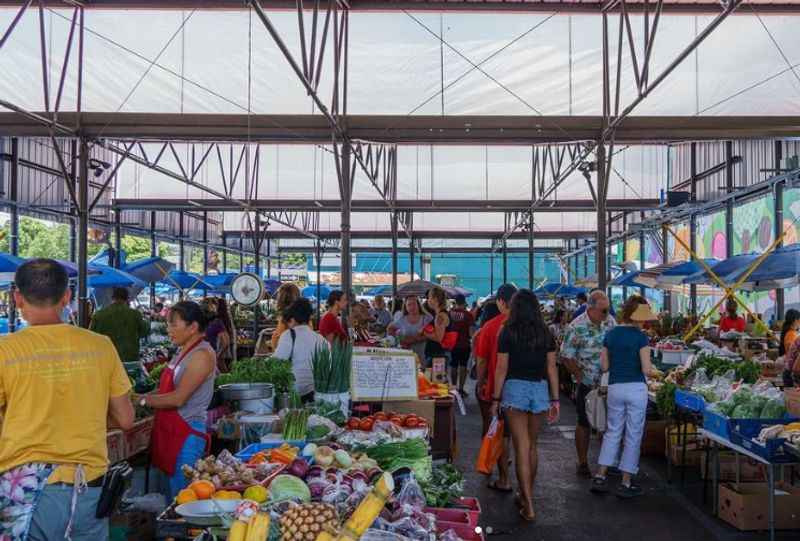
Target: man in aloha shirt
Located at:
point(580, 354)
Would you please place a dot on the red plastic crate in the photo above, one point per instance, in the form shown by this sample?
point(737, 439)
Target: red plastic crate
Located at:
point(464, 531)
point(455, 516)
point(472, 506)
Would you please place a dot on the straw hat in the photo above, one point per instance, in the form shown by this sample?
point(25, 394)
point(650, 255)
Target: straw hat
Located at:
point(643, 313)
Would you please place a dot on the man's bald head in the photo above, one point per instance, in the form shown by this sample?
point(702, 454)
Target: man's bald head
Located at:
point(597, 307)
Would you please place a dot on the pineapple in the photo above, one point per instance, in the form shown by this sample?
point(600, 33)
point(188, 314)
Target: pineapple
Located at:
point(305, 522)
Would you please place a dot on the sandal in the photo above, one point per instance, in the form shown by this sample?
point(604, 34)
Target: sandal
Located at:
point(494, 486)
point(526, 517)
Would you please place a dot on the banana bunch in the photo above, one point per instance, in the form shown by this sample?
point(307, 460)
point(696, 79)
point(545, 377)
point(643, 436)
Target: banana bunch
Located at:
point(255, 529)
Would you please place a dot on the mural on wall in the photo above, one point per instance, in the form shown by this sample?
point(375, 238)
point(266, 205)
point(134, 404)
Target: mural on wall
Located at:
point(652, 255)
point(674, 249)
point(632, 251)
point(710, 235)
point(754, 225)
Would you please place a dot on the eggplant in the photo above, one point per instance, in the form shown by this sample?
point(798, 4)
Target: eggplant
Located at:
point(298, 468)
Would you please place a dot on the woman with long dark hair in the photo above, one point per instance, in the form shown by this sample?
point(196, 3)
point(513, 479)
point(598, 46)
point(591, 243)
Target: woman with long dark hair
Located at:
point(435, 334)
point(526, 386)
point(330, 326)
point(789, 335)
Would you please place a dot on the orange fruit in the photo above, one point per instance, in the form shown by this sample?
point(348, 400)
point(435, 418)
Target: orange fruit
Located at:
point(185, 496)
point(203, 489)
point(226, 495)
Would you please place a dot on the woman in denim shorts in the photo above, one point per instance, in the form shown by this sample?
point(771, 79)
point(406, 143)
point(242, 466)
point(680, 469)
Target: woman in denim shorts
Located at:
point(526, 386)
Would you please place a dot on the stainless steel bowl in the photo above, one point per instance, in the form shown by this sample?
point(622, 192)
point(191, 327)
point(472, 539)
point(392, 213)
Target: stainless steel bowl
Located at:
point(247, 391)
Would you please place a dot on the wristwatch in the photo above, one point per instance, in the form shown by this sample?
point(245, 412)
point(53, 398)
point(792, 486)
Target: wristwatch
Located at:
point(143, 401)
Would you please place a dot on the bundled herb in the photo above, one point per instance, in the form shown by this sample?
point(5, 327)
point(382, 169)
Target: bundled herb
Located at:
point(412, 453)
point(665, 399)
point(331, 368)
point(295, 425)
point(278, 372)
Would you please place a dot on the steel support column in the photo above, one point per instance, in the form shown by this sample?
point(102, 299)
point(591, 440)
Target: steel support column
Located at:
point(780, 294)
point(491, 272)
point(205, 243)
point(585, 260)
point(693, 222)
point(601, 263)
point(394, 259)
point(505, 264)
point(642, 256)
point(411, 257)
point(13, 227)
point(153, 253)
point(624, 252)
point(224, 261)
point(729, 202)
point(181, 247)
point(346, 193)
point(116, 262)
point(531, 254)
point(318, 264)
point(665, 259)
point(269, 258)
point(83, 234)
point(73, 225)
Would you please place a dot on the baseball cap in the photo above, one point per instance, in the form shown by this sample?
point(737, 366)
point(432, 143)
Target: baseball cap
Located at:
point(505, 292)
point(460, 299)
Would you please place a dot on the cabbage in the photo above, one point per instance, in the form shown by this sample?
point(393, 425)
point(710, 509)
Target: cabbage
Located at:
point(288, 487)
point(773, 409)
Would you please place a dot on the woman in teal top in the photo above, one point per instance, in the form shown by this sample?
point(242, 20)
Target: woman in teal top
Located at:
point(626, 358)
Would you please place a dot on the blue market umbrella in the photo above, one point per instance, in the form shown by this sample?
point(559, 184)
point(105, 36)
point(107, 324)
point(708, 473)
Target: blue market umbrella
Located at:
point(555, 289)
point(779, 269)
point(185, 280)
point(220, 283)
point(310, 292)
point(627, 280)
point(105, 276)
point(726, 270)
point(378, 290)
point(272, 285)
point(8, 266)
point(149, 269)
point(103, 257)
point(676, 274)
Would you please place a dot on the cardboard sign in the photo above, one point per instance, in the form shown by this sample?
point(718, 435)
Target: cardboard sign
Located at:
point(381, 374)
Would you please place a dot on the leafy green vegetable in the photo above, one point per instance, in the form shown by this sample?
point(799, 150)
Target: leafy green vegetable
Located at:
point(155, 374)
point(317, 432)
point(330, 411)
point(278, 372)
point(665, 399)
point(411, 453)
point(748, 371)
point(446, 484)
point(773, 409)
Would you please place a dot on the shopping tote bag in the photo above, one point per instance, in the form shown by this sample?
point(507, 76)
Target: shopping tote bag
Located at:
point(491, 447)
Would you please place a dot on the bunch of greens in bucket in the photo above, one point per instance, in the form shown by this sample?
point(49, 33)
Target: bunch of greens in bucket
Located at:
point(446, 484)
point(331, 368)
point(278, 372)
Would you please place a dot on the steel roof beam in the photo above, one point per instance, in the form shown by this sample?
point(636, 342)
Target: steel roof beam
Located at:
point(416, 129)
point(491, 6)
point(421, 235)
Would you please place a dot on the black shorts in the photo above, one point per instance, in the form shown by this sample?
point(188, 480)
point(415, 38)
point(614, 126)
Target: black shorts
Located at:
point(459, 357)
point(580, 406)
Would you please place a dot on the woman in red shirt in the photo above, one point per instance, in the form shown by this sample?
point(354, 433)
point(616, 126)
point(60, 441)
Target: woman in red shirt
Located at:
point(730, 320)
point(330, 326)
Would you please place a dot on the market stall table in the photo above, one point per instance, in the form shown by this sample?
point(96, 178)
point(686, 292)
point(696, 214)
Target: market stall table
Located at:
point(724, 442)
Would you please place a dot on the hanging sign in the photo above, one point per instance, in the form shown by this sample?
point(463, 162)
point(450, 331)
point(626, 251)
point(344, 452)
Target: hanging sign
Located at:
point(383, 374)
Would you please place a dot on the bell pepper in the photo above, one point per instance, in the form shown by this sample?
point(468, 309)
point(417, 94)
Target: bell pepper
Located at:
point(280, 456)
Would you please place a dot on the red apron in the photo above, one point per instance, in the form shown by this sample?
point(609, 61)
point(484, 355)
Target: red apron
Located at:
point(169, 429)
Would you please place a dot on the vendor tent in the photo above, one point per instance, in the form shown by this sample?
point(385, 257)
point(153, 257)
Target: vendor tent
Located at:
point(779, 269)
point(310, 292)
point(185, 281)
point(676, 274)
point(8, 266)
point(150, 269)
point(109, 277)
point(555, 289)
point(727, 270)
point(627, 280)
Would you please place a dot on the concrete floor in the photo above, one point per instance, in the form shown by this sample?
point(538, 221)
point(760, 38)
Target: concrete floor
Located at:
point(565, 508)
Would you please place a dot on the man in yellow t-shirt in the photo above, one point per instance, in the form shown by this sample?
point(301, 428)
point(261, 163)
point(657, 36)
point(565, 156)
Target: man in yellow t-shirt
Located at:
point(59, 385)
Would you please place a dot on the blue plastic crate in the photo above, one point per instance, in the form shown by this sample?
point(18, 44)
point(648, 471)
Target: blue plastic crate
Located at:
point(745, 431)
point(247, 453)
point(690, 401)
point(716, 423)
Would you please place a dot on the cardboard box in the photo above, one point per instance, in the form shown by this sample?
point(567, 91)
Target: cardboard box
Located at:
point(749, 469)
point(792, 396)
point(421, 408)
point(137, 439)
point(746, 506)
point(115, 442)
point(654, 440)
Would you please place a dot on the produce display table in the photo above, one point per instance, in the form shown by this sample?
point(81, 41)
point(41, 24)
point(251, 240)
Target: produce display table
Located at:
point(718, 441)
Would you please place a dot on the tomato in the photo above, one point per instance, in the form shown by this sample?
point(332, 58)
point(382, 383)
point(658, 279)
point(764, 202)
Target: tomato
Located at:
point(353, 423)
point(412, 422)
point(381, 416)
point(366, 424)
point(396, 419)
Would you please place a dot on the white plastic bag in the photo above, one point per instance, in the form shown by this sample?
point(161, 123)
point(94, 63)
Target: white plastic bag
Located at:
point(596, 407)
